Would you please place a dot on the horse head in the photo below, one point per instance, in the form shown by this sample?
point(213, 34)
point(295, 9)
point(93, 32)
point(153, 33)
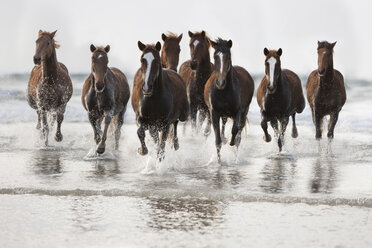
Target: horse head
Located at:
point(222, 60)
point(272, 68)
point(99, 66)
point(150, 66)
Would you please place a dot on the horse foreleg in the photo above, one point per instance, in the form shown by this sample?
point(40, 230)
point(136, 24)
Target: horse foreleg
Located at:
point(176, 145)
point(223, 137)
point(38, 125)
point(216, 128)
point(94, 122)
point(318, 125)
point(283, 124)
point(294, 128)
point(120, 121)
point(274, 125)
point(207, 129)
point(60, 116)
point(332, 124)
point(45, 128)
point(102, 144)
point(164, 137)
point(235, 128)
point(193, 112)
point(154, 134)
point(141, 135)
point(202, 115)
point(267, 136)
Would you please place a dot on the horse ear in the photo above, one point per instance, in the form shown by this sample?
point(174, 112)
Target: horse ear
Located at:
point(333, 44)
point(279, 52)
point(318, 43)
point(179, 38)
point(266, 51)
point(191, 34)
point(229, 43)
point(158, 46)
point(164, 37)
point(203, 33)
point(53, 34)
point(92, 48)
point(107, 48)
point(213, 43)
point(40, 31)
point(141, 46)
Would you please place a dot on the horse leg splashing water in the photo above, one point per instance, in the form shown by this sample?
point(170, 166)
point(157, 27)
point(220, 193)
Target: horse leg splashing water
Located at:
point(228, 94)
point(50, 86)
point(279, 96)
point(159, 99)
point(105, 95)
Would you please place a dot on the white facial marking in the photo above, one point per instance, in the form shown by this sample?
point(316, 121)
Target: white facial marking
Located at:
point(221, 61)
point(149, 58)
point(196, 42)
point(99, 56)
point(272, 62)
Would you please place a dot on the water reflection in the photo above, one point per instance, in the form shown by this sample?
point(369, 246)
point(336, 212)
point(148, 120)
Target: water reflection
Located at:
point(106, 168)
point(323, 176)
point(47, 162)
point(85, 215)
point(184, 214)
point(278, 175)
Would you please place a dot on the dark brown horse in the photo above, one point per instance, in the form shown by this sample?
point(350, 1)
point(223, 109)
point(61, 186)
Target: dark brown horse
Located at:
point(105, 95)
point(159, 99)
point(49, 87)
point(170, 52)
point(279, 96)
point(196, 72)
point(228, 93)
point(325, 90)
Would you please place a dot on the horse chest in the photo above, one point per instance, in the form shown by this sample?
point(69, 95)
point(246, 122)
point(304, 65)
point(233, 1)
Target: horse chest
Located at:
point(154, 108)
point(276, 105)
point(224, 102)
point(49, 95)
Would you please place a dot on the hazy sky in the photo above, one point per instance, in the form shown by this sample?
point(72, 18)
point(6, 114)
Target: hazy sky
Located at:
point(295, 26)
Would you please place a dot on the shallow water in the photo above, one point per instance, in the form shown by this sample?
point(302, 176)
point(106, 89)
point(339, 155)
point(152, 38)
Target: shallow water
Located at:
point(314, 194)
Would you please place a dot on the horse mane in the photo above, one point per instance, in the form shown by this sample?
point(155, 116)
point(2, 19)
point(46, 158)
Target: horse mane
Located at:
point(206, 35)
point(171, 35)
point(222, 45)
point(325, 44)
point(55, 43)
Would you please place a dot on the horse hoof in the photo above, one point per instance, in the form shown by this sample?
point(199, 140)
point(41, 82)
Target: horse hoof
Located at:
point(176, 146)
point(100, 149)
point(267, 138)
point(330, 135)
point(142, 151)
point(58, 137)
point(294, 134)
point(232, 142)
point(318, 137)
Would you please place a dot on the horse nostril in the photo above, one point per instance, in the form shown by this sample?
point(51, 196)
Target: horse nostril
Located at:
point(321, 71)
point(37, 60)
point(193, 65)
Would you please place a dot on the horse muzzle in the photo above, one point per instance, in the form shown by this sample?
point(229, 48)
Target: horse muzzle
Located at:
point(37, 60)
point(100, 87)
point(147, 92)
point(220, 84)
point(321, 72)
point(194, 65)
point(271, 89)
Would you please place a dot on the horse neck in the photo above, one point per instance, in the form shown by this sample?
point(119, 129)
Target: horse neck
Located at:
point(163, 59)
point(49, 66)
point(159, 84)
point(230, 75)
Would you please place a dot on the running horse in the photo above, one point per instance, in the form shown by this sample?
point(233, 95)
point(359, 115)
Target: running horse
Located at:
point(196, 72)
point(279, 96)
point(228, 93)
point(170, 52)
point(159, 99)
point(105, 96)
point(325, 90)
point(50, 86)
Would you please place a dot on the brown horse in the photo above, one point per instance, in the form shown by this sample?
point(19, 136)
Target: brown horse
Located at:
point(325, 90)
point(159, 99)
point(50, 86)
point(196, 72)
point(228, 93)
point(105, 95)
point(170, 52)
point(279, 96)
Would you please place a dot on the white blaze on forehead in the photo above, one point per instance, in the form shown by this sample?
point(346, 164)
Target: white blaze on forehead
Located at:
point(221, 60)
point(272, 62)
point(196, 42)
point(149, 58)
point(99, 56)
